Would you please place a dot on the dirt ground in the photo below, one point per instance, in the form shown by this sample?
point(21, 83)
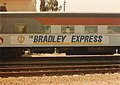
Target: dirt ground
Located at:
point(88, 79)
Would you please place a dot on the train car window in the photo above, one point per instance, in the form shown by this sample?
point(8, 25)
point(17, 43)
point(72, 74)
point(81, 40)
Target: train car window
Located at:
point(1, 28)
point(91, 29)
point(20, 28)
point(45, 29)
point(113, 29)
point(67, 29)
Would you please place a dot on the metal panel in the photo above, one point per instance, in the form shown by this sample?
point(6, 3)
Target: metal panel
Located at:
point(79, 29)
point(115, 39)
point(55, 29)
point(102, 29)
point(59, 15)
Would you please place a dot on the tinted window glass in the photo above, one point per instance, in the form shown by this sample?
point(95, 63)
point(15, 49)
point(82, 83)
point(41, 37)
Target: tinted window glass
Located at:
point(45, 29)
point(113, 29)
point(20, 28)
point(91, 29)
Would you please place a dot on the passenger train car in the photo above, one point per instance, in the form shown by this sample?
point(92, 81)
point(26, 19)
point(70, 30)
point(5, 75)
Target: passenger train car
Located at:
point(70, 33)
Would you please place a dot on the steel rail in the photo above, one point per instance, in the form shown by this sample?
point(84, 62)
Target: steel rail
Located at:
point(58, 70)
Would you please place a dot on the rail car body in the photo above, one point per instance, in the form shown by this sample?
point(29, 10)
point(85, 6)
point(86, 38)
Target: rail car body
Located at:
point(73, 33)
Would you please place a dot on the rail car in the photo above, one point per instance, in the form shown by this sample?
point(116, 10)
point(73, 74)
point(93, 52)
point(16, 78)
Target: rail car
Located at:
point(70, 33)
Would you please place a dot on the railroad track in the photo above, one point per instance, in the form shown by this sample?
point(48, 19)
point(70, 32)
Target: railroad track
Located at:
point(58, 66)
point(57, 70)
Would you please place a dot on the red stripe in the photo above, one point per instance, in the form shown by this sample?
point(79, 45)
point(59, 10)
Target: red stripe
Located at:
point(79, 21)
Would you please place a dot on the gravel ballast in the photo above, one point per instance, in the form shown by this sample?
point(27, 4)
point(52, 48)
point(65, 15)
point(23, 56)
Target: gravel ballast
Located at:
point(88, 79)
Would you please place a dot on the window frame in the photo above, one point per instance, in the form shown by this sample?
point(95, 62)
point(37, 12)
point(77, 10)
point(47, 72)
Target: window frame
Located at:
point(44, 28)
point(113, 32)
point(64, 29)
point(17, 29)
point(87, 28)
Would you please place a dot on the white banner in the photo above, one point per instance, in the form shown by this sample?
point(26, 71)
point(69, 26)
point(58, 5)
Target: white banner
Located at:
point(38, 39)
